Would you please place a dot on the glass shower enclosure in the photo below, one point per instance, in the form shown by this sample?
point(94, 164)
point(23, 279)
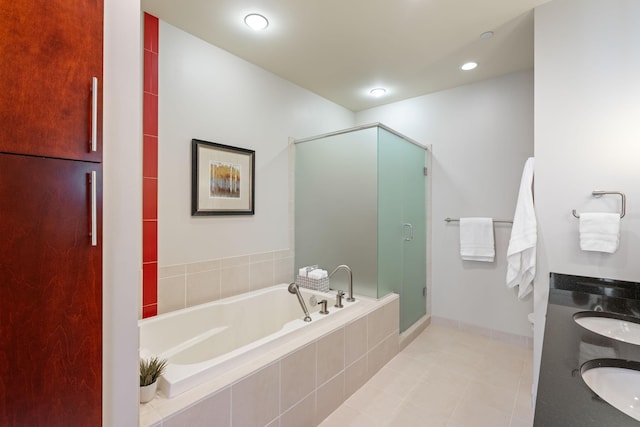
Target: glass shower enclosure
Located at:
point(360, 200)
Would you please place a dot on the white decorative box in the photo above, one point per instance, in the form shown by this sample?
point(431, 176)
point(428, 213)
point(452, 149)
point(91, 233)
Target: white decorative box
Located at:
point(313, 284)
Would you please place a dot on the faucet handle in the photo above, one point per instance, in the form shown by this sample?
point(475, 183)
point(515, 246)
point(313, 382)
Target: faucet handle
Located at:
point(339, 296)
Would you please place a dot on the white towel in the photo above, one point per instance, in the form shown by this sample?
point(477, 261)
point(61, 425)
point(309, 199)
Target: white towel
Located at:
point(521, 253)
point(599, 232)
point(476, 239)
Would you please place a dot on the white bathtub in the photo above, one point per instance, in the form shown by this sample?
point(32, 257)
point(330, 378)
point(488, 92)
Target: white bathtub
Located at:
point(205, 341)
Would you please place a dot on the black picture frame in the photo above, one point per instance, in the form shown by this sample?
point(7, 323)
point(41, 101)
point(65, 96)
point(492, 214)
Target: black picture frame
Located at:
point(222, 179)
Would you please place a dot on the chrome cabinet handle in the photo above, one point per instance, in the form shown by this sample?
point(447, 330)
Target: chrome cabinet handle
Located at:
point(94, 209)
point(410, 228)
point(94, 114)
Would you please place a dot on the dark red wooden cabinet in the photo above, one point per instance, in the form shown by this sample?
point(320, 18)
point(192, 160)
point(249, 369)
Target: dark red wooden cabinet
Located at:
point(50, 293)
point(49, 53)
point(50, 208)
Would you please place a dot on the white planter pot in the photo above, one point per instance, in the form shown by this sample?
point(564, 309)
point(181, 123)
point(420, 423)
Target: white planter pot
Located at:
point(148, 392)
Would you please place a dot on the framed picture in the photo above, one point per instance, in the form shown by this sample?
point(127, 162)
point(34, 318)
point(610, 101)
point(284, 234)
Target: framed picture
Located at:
point(222, 179)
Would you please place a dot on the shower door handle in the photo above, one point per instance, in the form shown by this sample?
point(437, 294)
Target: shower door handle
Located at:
point(409, 227)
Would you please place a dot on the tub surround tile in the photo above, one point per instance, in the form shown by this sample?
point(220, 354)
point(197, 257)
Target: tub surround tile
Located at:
point(356, 375)
point(382, 323)
point(329, 397)
point(301, 414)
point(172, 270)
point(171, 294)
point(298, 376)
point(234, 280)
point(258, 398)
point(283, 270)
point(203, 287)
point(265, 256)
point(199, 415)
point(330, 359)
point(382, 353)
point(238, 275)
point(261, 275)
point(355, 340)
point(199, 267)
point(285, 253)
point(279, 388)
point(235, 261)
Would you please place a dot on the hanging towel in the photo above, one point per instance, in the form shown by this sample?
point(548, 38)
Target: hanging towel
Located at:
point(521, 253)
point(599, 232)
point(476, 239)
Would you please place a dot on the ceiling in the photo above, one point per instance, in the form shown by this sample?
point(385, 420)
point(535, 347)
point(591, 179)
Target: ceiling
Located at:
point(341, 49)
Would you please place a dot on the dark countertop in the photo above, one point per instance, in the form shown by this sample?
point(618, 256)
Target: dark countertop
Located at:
point(563, 399)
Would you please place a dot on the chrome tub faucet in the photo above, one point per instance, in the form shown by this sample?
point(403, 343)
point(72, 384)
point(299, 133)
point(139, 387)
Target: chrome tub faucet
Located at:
point(350, 298)
point(293, 288)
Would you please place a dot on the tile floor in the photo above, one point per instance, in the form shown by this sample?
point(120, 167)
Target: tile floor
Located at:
point(445, 377)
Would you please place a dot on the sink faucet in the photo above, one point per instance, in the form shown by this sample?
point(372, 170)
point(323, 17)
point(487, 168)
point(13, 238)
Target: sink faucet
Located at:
point(350, 298)
point(293, 288)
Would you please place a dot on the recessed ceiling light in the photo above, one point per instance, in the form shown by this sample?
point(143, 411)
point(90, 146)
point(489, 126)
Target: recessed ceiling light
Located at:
point(378, 92)
point(469, 66)
point(256, 22)
point(486, 35)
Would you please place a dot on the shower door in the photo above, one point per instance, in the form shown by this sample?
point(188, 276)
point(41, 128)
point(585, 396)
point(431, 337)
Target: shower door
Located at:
point(402, 224)
point(360, 201)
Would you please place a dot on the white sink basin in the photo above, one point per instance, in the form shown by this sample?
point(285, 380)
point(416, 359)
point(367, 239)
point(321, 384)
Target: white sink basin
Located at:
point(617, 385)
point(617, 327)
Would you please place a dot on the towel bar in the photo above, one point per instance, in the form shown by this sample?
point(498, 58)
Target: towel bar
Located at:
point(598, 193)
point(495, 220)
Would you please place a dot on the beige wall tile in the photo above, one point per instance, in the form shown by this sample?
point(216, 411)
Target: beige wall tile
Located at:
point(234, 280)
point(172, 270)
point(216, 407)
point(355, 340)
point(261, 275)
point(235, 261)
point(283, 270)
point(298, 376)
point(329, 396)
point(376, 328)
point(203, 287)
point(285, 253)
point(266, 256)
point(330, 356)
point(171, 294)
point(255, 398)
point(392, 316)
point(382, 353)
point(356, 374)
point(302, 414)
point(198, 267)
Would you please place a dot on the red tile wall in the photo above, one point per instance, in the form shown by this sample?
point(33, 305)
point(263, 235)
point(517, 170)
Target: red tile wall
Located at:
point(150, 169)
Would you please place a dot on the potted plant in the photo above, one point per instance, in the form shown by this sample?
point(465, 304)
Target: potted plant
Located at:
point(150, 370)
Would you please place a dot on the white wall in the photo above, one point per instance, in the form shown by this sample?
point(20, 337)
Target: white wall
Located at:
point(587, 136)
point(481, 135)
point(209, 94)
point(122, 200)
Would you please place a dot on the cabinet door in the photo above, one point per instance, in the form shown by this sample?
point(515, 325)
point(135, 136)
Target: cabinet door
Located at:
point(50, 51)
point(50, 293)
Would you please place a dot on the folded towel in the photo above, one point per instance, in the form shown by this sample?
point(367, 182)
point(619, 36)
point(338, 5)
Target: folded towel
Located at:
point(521, 252)
point(599, 232)
point(476, 239)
